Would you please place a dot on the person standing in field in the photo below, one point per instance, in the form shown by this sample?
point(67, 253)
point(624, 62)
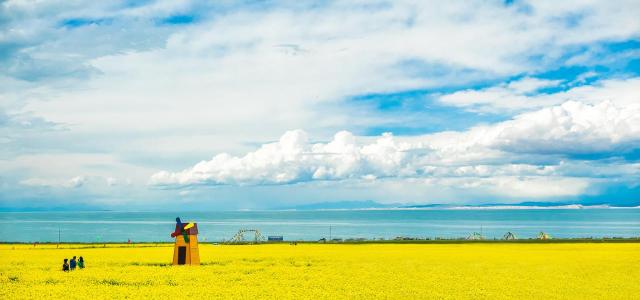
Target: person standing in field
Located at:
point(72, 264)
point(65, 266)
point(81, 263)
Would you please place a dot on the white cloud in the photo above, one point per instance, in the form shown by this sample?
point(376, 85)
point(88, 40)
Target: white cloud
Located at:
point(542, 136)
point(233, 60)
point(514, 95)
point(529, 84)
point(231, 70)
point(521, 94)
point(111, 181)
point(484, 157)
point(294, 159)
point(571, 128)
point(69, 165)
point(74, 182)
point(517, 187)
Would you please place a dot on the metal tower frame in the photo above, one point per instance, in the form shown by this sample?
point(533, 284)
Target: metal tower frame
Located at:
point(239, 237)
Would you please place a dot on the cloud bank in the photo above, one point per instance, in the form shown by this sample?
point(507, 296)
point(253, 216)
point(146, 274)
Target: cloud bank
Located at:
point(501, 154)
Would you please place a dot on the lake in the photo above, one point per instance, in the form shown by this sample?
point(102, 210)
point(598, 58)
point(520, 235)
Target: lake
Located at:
point(313, 225)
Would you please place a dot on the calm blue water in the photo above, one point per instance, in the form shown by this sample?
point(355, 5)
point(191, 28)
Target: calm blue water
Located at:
point(313, 225)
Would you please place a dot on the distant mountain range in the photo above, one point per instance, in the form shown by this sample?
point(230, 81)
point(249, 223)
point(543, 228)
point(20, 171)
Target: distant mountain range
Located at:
point(340, 205)
point(369, 204)
point(50, 209)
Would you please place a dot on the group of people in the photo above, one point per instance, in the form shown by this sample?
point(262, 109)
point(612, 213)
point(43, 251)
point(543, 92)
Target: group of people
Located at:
point(70, 265)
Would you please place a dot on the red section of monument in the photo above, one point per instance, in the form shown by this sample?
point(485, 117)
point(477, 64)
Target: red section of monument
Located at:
point(191, 231)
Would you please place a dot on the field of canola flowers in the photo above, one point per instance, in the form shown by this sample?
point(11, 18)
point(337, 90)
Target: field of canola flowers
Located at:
point(331, 271)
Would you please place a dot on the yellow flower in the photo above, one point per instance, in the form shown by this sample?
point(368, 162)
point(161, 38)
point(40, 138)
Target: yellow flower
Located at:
point(327, 271)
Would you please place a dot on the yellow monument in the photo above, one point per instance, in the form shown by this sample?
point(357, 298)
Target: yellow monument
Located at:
point(185, 250)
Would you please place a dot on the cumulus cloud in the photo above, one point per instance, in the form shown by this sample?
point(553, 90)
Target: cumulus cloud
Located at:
point(570, 128)
point(493, 155)
point(294, 159)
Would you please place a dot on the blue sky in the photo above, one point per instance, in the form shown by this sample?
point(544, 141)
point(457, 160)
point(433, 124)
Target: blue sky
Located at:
point(138, 105)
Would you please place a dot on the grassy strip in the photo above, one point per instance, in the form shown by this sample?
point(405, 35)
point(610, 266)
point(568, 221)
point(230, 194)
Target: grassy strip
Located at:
point(80, 245)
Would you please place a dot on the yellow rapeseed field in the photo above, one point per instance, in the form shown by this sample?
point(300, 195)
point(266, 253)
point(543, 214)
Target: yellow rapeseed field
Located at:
point(314, 271)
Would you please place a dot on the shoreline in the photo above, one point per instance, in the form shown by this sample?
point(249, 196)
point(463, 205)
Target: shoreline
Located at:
point(400, 208)
point(350, 242)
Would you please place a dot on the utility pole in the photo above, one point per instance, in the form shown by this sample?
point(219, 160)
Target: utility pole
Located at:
point(58, 236)
point(329, 232)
